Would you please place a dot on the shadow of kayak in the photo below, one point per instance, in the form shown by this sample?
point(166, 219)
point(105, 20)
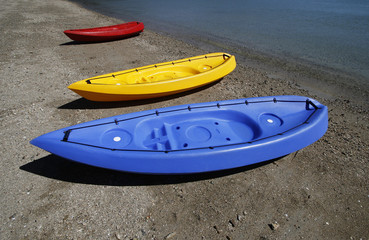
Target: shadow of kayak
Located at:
point(58, 168)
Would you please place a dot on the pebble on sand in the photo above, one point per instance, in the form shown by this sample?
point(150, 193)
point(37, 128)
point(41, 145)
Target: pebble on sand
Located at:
point(274, 226)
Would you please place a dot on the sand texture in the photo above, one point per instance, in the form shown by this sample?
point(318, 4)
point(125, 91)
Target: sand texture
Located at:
point(319, 192)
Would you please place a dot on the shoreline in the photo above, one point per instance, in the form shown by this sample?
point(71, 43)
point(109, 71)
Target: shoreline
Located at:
point(305, 73)
point(319, 192)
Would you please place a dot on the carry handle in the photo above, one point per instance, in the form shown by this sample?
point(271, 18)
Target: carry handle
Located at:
point(309, 102)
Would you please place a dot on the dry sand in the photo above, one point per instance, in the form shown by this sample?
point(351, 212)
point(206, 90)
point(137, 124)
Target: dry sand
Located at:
point(320, 192)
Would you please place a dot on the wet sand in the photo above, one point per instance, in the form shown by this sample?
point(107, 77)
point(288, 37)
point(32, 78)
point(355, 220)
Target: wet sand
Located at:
point(319, 192)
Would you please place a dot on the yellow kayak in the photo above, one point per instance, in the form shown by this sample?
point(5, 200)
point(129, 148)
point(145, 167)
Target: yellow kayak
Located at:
point(157, 80)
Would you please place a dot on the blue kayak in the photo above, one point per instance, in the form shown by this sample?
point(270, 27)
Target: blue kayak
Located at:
point(193, 138)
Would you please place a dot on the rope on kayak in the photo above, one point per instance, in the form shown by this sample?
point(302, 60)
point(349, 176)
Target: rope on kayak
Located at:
point(307, 103)
point(88, 81)
point(218, 105)
point(199, 148)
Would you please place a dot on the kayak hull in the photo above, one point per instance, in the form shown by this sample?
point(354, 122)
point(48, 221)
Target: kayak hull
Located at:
point(193, 138)
point(107, 33)
point(156, 80)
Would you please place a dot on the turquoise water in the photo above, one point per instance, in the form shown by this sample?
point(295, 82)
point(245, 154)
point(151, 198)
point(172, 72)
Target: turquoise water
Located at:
point(328, 33)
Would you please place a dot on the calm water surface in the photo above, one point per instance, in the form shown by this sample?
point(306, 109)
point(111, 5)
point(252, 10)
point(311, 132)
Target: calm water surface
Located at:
point(331, 33)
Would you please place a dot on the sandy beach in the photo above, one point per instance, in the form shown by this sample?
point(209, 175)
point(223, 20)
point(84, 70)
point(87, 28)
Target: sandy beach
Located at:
point(319, 192)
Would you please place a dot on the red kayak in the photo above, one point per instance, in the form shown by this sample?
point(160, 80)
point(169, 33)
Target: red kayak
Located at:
point(108, 33)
